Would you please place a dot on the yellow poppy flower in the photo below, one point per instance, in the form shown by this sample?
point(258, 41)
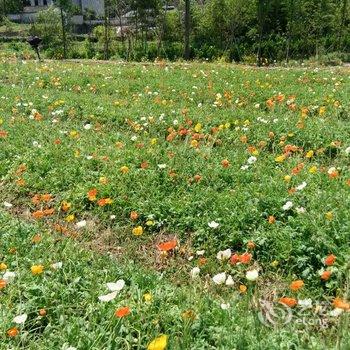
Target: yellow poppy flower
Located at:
point(158, 343)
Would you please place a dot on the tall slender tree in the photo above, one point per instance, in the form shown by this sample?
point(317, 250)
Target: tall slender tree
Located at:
point(261, 22)
point(290, 25)
point(187, 28)
point(107, 4)
point(65, 7)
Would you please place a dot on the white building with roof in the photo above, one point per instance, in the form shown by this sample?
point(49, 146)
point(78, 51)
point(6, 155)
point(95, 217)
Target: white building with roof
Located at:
point(97, 6)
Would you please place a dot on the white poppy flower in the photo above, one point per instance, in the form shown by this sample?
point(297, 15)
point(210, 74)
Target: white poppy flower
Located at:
point(301, 186)
point(20, 319)
point(229, 281)
point(8, 276)
point(288, 205)
point(108, 297)
point(225, 306)
point(307, 303)
point(347, 151)
point(331, 170)
point(161, 166)
point(57, 265)
point(336, 312)
point(252, 160)
point(87, 126)
point(81, 224)
point(244, 167)
point(36, 144)
point(117, 286)
point(200, 252)
point(8, 205)
point(224, 254)
point(219, 278)
point(213, 224)
point(300, 210)
point(195, 272)
point(252, 275)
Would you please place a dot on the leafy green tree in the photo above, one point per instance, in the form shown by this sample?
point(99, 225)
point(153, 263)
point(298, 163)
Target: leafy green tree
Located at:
point(66, 7)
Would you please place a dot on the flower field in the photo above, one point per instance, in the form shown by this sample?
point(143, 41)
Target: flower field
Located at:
point(173, 206)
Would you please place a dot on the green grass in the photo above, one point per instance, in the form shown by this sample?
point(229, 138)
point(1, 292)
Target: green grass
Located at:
point(14, 29)
point(132, 110)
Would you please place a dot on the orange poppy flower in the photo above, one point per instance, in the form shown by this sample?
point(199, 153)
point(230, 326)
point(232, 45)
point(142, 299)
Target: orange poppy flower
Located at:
point(202, 261)
point(65, 206)
point(183, 132)
point(291, 302)
point(242, 288)
point(296, 285)
point(270, 103)
point(225, 163)
point(92, 194)
point(296, 170)
point(271, 219)
point(244, 139)
point(166, 246)
point(37, 116)
point(12, 332)
point(144, 165)
point(171, 136)
point(48, 211)
point(60, 229)
point(334, 174)
point(292, 190)
point(245, 258)
point(251, 149)
point(341, 304)
point(122, 312)
point(104, 201)
point(279, 98)
point(134, 215)
point(326, 275)
point(20, 182)
point(290, 148)
point(36, 199)
point(330, 260)
point(39, 214)
point(46, 197)
point(197, 178)
point(36, 239)
point(172, 174)
point(251, 245)
point(3, 284)
point(234, 259)
point(3, 133)
point(21, 169)
point(42, 312)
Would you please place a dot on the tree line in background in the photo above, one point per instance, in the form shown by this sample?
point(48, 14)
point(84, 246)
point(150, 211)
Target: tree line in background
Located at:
point(258, 31)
